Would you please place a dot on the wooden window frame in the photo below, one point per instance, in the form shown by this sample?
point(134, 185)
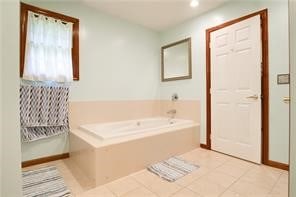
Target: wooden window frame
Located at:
point(25, 8)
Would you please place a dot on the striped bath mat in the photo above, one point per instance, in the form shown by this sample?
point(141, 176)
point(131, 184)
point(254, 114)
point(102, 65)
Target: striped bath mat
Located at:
point(44, 182)
point(172, 168)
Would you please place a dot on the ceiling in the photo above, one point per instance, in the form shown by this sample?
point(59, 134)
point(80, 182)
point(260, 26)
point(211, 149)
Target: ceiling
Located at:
point(154, 14)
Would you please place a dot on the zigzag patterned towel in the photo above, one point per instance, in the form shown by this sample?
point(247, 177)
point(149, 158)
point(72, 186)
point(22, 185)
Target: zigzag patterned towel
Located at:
point(43, 111)
point(172, 168)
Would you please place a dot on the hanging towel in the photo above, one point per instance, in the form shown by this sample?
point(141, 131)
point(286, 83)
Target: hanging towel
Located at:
point(43, 111)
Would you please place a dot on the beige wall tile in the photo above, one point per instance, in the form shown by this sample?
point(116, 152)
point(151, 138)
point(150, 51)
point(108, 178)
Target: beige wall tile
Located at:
point(108, 111)
point(83, 155)
point(186, 109)
point(146, 151)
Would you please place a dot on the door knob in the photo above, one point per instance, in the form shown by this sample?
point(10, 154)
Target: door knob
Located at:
point(286, 99)
point(255, 97)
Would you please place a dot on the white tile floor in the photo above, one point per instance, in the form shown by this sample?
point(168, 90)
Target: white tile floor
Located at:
point(219, 175)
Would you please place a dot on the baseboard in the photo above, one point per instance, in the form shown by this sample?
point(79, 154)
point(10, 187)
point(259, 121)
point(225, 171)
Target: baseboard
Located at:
point(276, 164)
point(205, 146)
point(270, 163)
point(44, 160)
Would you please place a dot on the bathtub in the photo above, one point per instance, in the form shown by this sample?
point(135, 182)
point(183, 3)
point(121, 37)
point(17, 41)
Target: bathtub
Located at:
point(107, 151)
point(131, 127)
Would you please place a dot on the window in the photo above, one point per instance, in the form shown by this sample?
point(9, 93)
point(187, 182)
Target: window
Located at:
point(49, 45)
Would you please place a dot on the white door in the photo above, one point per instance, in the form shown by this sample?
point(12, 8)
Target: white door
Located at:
point(236, 90)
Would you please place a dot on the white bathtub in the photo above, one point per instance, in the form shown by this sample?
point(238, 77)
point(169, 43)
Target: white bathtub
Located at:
point(106, 131)
point(97, 149)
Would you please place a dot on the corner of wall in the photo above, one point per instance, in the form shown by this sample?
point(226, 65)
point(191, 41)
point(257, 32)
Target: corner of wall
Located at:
point(10, 131)
point(1, 148)
point(292, 13)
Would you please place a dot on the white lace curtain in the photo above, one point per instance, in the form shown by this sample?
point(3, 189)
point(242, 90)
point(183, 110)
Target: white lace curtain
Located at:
point(48, 49)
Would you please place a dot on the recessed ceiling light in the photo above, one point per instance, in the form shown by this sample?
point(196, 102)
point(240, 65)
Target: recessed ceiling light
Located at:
point(194, 3)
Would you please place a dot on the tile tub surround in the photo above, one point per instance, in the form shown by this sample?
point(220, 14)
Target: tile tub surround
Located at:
point(108, 160)
point(186, 109)
point(86, 112)
point(219, 175)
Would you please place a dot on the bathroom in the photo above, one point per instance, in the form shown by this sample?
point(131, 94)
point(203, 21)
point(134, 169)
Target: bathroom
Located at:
point(119, 78)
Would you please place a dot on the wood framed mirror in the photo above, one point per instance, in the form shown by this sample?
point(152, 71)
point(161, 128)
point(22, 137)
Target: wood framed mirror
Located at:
point(176, 63)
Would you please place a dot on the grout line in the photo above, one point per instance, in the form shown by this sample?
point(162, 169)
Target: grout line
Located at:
point(193, 191)
point(105, 185)
point(276, 182)
point(245, 171)
point(143, 184)
point(207, 173)
point(128, 191)
point(237, 180)
point(128, 176)
point(181, 188)
point(251, 168)
point(109, 190)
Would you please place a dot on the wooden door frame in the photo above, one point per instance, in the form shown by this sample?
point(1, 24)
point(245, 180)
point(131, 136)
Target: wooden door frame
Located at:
point(264, 85)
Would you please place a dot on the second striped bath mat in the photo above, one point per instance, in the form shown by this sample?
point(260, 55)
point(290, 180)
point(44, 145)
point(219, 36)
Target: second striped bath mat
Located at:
point(172, 168)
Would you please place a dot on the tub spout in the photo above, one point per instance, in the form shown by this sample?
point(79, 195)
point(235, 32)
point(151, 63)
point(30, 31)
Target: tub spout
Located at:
point(172, 113)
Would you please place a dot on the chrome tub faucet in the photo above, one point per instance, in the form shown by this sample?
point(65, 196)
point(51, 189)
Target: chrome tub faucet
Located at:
point(172, 113)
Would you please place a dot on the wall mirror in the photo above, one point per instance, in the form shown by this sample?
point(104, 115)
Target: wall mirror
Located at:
point(176, 61)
